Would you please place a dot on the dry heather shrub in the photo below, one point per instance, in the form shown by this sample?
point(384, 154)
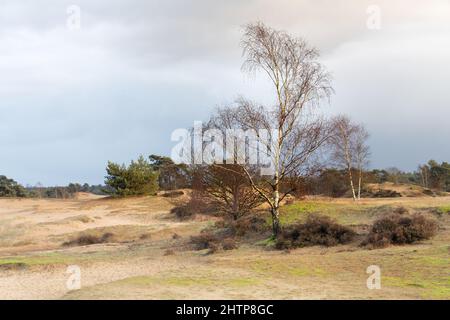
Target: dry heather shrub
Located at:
point(169, 252)
point(85, 240)
point(316, 230)
point(182, 212)
point(13, 266)
point(213, 242)
point(400, 229)
point(145, 236)
point(205, 240)
point(229, 244)
point(172, 194)
point(197, 204)
point(249, 224)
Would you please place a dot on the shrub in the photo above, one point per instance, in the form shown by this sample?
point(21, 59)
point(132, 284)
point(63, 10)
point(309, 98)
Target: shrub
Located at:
point(248, 224)
point(387, 194)
point(172, 194)
point(169, 252)
point(204, 240)
point(400, 229)
point(145, 236)
point(229, 244)
point(198, 204)
point(85, 240)
point(316, 230)
point(182, 212)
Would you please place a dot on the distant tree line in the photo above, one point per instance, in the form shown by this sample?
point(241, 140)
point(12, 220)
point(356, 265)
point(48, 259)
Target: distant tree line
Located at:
point(11, 188)
point(161, 173)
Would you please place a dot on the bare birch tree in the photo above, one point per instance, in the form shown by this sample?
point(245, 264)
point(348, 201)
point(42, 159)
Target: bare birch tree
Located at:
point(362, 153)
point(299, 82)
point(350, 150)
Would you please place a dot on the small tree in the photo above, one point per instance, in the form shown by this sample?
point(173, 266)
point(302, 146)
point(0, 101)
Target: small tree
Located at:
point(394, 174)
point(350, 150)
point(137, 179)
point(362, 153)
point(229, 186)
point(10, 188)
point(171, 176)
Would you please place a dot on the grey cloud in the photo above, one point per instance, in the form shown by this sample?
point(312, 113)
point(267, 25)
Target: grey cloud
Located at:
point(137, 70)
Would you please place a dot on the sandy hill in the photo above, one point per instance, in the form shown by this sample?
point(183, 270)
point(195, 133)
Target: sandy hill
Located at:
point(389, 189)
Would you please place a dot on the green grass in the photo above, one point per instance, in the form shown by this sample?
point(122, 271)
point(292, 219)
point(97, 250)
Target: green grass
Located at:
point(444, 209)
point(346, 214)
point(437, 288)
point(57, 258)
point(179, 281)
point(49, 259)
point(304, 272)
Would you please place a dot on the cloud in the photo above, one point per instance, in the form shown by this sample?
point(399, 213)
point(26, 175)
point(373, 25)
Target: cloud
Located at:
point(136, 70)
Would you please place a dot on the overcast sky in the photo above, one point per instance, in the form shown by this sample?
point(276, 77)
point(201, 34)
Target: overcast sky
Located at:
point(72, 99)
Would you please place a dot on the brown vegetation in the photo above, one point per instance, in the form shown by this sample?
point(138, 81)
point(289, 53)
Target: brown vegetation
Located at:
point(88, 239)
point(317, 230)
point(400, 229)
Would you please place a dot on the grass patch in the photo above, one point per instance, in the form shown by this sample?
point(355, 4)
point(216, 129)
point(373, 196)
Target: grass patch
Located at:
point(49, 259)
point(299, 211)
point(444, 209)
point(188, 281)
point(343, 213)
point(434, 261)
point(57, 258)
point(305, 272)
point(438, 288)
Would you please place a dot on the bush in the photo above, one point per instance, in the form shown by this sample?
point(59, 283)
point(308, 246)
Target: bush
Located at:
point(169, 252)
point(204, 240)
point(182, 212)
point(85, 240)
point(252, 224)
point(208, 240)
point(145, 236)
point(400, 229)
point(198, 204)
point(317, 230)
point(229, 244)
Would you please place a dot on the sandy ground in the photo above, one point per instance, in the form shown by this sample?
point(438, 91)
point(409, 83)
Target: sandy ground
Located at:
point(135, 264)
